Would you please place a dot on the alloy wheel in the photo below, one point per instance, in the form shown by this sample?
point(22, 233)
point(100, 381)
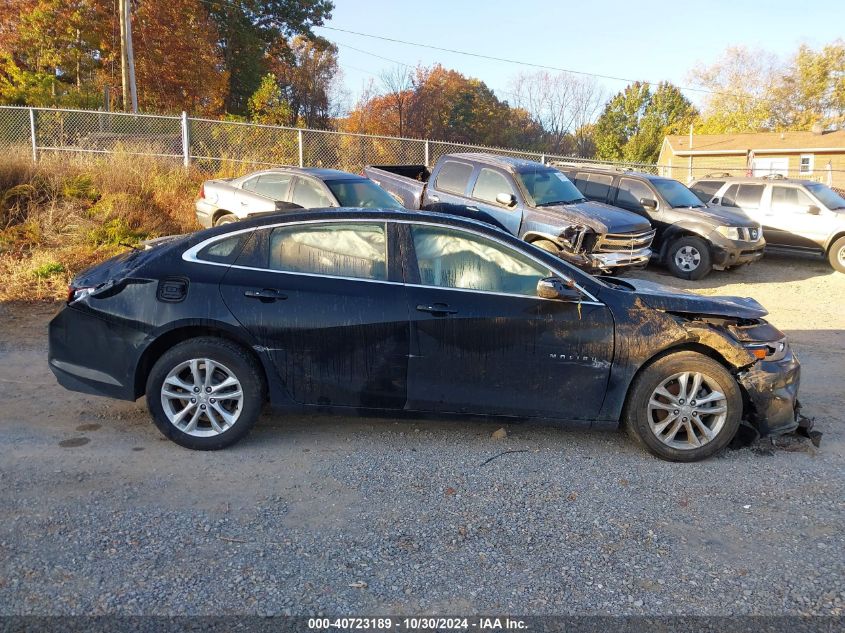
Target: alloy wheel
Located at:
point(202, 397)
point(687, 258)
point(687, 410)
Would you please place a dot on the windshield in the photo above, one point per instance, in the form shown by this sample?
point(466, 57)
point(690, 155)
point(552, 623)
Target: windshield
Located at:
point(362, 193)
point(676, 194)
point(548, 186)
point(827, 196)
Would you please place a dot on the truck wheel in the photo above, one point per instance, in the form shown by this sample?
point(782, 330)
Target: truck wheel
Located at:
point(684, 407)
point(226, 218)
point(548, 245)
point(836, 255)
point(688, 257)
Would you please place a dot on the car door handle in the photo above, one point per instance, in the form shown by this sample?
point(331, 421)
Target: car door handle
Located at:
point(437, 309)
point(244, 203)
point(266, 295)
point(435, 198)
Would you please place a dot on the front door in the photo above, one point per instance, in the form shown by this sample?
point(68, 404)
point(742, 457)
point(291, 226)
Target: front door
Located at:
point(788, 219)
point(320, 300)
point(483, 342)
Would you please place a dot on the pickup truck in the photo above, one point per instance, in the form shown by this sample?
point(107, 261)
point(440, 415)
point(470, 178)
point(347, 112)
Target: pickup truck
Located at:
point(535, 202)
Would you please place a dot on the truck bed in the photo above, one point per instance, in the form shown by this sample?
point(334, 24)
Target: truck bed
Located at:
point(408, 182)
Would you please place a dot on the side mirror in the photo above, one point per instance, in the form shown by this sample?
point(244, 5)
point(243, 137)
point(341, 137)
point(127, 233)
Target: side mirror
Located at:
point(648, 203)
point(507, 199)
point(557, 288)
point(715, 201)
point(813, 209)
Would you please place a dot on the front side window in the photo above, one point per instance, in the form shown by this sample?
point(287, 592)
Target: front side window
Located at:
point(454, 177)
point(548, 187)
point(676, 194)
point(273, 186)
point(789, 200)
point(828, 197)
point(361, 193)
point(337, 250)
point(630, 194)
point(449, 258)
point(310, 195)
point(490, 184)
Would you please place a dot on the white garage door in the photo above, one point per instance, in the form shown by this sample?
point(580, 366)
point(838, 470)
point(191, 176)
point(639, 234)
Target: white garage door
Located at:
point(769, 166)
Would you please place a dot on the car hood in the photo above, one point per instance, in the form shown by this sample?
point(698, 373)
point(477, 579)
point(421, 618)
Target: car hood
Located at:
point(600, 217)
point(721, 216)
point(670, 299)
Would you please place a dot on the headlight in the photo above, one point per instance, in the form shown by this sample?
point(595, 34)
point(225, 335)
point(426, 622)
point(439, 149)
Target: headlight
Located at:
point(774, 350)
point(730, 232)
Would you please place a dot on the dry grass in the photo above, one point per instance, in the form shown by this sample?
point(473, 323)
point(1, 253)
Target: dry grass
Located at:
point(66, 213)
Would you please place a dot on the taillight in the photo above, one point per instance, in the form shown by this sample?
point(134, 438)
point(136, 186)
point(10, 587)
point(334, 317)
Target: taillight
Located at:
point(201, 194)
point(74, 293)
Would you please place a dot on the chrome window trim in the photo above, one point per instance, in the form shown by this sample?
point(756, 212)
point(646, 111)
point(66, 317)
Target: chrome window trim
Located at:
point(190, 255)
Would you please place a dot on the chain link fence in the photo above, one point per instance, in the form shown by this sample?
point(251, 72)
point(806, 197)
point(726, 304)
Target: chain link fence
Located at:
point(210, 144)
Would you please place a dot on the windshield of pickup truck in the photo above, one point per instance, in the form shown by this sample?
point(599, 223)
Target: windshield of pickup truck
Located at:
point(827, 196)
point(677, 194)
point(362, 193)
point(546, 187)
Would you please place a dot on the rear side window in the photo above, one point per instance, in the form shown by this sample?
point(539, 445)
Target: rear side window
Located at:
point(706, 189)
point(453, 177)
point(744, 196)
point(310, 195)
point(490, 184)
point(336, 250)
point(273, 186)
point(594, 186)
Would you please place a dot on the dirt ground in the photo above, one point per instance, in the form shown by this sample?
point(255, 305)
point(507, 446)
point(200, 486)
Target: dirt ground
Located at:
point(99, 514)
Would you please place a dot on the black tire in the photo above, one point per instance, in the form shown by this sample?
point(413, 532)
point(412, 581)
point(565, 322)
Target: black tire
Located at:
point(226, 218)
point(234, 360)
point(685, 247)
point(548, 246)
point(637, 419)
point(836, 255)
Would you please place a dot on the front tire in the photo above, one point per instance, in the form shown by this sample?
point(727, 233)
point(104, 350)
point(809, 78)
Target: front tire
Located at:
point(683, 407)
point(836, 255)
point(688, 257)
point(205, 393)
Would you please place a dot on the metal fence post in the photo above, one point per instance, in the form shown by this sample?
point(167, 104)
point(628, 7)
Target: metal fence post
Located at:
point(542, 159)
point(301, 152)
point(426, 153)
point(186, 141)
point(33, 136)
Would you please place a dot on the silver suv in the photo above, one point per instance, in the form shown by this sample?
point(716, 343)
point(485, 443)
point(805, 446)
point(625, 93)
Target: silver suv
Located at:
point(799, 215)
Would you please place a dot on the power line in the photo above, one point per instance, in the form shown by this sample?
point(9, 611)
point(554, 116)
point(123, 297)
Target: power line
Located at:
point(523, 63)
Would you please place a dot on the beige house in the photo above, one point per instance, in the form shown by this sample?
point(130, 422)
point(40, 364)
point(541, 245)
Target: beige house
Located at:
point(816, 156)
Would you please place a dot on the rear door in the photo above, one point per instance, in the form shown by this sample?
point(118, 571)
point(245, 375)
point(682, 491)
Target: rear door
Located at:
point(447, 191)
point(247, 200)
point(324, 303)
point(482, 342)
point(749, 197)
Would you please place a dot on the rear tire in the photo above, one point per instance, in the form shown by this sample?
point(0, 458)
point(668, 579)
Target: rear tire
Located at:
point(683, 407)
point(688, 257)
point(226, 218)
point(205, 393)
point(836, 255)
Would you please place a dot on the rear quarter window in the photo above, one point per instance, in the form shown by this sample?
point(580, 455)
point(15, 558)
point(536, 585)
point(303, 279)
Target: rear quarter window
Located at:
point(453, 177)
point(224, 251)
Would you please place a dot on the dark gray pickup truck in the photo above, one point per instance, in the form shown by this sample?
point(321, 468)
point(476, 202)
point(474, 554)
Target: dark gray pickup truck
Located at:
point(530, 200)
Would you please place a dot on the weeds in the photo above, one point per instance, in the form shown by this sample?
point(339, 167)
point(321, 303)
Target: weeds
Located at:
point(66, 213)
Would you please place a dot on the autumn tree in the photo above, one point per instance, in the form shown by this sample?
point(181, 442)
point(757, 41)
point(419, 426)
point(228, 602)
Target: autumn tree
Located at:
point(633, 123)
point(561, 104)
point(398, 85)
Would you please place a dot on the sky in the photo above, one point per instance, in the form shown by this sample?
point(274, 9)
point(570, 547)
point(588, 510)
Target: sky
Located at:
point(644, 40)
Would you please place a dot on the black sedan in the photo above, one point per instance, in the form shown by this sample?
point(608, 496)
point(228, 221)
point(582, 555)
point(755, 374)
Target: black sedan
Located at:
point(385, 310)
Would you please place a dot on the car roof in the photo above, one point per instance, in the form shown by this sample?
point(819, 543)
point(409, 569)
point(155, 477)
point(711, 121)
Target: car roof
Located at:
point(508, 162)
point(614, 172)
point(761, 180)
point(317, 172)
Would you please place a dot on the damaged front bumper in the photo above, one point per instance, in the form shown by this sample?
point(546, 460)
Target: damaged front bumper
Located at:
point(770, 389)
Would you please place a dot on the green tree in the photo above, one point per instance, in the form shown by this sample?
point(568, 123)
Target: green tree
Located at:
point(634, 122)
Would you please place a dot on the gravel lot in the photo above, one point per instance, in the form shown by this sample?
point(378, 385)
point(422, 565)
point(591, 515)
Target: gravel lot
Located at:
point(99, 514)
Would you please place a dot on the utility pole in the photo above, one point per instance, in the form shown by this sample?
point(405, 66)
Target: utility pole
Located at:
point(127, 58)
